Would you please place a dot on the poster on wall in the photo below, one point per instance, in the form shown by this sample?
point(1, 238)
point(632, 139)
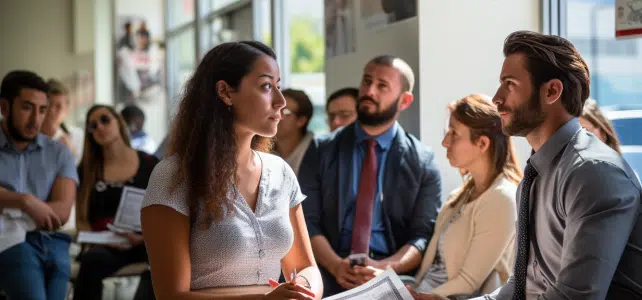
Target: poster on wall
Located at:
point(139, 50)
point(380, 13)
point(139, 57)
point(339, 28)
point(628, 20)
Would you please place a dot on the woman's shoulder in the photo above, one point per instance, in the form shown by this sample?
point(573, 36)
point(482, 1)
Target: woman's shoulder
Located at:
point(159, 191)
point(274, 163)
point(503, 191)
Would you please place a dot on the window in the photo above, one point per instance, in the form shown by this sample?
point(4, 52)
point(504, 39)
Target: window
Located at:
point(615, 65)
point(304, 21)
point(181, 61)
point(179, 12)
point(590, 26)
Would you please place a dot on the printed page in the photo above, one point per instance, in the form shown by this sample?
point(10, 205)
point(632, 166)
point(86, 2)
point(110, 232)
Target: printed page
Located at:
point(128, 213)
point(386, 286)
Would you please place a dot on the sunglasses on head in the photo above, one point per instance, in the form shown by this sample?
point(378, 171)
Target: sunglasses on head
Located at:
point(103, 119)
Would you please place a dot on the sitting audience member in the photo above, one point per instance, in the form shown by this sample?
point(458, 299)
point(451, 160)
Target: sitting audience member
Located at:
point(594, 121)
point(135, 119)
point(57, 112)
point(109, 164)
point(292, 136)
point(341, 107)
point(37, 188)
point(475, 231)
point(579, 230)
point(373, 190)
point(221, 216)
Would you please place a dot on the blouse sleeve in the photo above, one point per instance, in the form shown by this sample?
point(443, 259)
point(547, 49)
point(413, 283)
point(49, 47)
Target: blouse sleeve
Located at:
point(157, 192)
point(296, 196)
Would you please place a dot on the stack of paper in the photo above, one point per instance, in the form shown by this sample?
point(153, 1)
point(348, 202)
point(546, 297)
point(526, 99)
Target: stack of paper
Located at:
point(386, 286)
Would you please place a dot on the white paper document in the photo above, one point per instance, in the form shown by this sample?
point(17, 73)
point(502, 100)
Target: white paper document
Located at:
point(101, 238)
point(128, 213)
point(386, 286)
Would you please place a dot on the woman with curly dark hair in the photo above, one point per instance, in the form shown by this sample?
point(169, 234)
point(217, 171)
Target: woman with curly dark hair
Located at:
point(222, 217)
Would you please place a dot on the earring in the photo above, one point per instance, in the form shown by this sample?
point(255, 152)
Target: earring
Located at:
point(229, 108)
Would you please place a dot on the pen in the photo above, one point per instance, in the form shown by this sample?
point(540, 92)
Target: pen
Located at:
point(293, 275)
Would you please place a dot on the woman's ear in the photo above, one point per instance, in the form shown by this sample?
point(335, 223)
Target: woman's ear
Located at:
point(224, 92)
point(483, 142)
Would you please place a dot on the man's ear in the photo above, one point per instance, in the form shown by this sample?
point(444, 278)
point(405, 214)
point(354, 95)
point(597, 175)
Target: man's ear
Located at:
point(300, 121)
point(405, 99)
point(552, 90)
point(4, 107)
point(224, 92)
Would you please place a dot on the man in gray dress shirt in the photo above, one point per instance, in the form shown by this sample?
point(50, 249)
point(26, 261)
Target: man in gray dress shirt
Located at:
point(584, 231)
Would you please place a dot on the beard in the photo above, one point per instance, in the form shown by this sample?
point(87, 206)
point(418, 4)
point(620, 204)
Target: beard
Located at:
point(525, 117)
point(14, 133)
point(378, 117)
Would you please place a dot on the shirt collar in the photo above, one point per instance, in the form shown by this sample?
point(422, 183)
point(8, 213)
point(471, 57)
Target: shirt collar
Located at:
point(542, 159)
point(384, 140)
point(39, 143)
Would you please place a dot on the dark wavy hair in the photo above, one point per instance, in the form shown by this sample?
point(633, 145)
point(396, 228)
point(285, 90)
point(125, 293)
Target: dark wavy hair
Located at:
point(202, 138)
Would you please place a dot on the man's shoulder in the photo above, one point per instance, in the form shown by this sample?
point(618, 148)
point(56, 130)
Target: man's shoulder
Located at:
point(54, 149)
point(586, 152)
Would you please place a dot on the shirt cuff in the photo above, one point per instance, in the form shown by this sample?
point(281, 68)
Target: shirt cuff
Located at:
point(419, 243)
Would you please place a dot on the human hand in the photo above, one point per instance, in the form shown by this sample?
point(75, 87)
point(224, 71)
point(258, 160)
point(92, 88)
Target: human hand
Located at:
point(41, 213)
point(345, 274)
point(134, 238)
point(364, 274)
point(288, 290)
point(424, 296)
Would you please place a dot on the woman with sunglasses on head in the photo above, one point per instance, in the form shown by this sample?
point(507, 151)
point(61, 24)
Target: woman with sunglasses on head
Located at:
point(472, 245)
point(109, 164)
point(222, 218)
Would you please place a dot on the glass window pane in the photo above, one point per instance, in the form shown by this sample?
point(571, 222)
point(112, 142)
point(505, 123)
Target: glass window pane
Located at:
point(232, 26)
point(307, 55)
point(591, 28)
point(208, 6)
point(181, 62)
point(265, 21)
point(179, 12)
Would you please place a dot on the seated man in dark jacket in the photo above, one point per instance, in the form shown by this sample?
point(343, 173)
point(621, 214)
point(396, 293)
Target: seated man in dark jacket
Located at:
point(372, 189)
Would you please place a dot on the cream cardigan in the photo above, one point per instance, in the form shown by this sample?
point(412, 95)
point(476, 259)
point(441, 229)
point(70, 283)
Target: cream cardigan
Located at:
point(479, 242)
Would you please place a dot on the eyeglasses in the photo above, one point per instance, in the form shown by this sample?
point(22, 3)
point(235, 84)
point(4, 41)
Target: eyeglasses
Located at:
point(103, 119)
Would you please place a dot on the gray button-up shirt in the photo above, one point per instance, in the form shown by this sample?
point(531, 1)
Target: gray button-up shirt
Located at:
point(584, 207)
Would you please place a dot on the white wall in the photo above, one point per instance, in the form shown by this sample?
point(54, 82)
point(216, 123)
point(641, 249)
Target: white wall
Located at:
point(399, 39)
point(460, 44)
point(39, 36)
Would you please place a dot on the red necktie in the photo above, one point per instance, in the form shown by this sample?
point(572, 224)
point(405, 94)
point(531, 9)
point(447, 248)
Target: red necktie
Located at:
point(365, 201)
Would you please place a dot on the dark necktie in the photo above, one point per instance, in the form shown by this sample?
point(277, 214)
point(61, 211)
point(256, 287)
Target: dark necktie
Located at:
point(365, 201)
point(523, 237)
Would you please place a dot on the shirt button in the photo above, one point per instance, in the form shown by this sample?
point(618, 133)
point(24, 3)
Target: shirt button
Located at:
point(261, 253)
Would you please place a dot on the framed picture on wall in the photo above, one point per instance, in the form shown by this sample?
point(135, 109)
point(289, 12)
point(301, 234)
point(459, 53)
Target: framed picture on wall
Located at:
point(339, 27)
point(380, 13)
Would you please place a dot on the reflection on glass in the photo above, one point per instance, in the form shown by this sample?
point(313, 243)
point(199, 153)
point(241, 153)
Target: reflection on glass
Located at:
point(179, 12)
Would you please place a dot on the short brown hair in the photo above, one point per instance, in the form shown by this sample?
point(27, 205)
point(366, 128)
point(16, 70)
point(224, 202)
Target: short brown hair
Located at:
point(553, 57)
point(405, 71)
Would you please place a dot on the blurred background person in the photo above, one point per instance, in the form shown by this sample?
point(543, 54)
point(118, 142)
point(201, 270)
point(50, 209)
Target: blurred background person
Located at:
point(593, 120)
point(292, 136)
point(341, 107)
point(109, 163)
point(135, 119)
point(54, 126)
point(472, 247)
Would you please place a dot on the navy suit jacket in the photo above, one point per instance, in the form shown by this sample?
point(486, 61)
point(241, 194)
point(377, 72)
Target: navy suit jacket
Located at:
point(411, 188)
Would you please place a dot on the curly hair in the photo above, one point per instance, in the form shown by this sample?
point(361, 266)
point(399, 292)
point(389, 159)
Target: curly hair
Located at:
point(202, 138)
